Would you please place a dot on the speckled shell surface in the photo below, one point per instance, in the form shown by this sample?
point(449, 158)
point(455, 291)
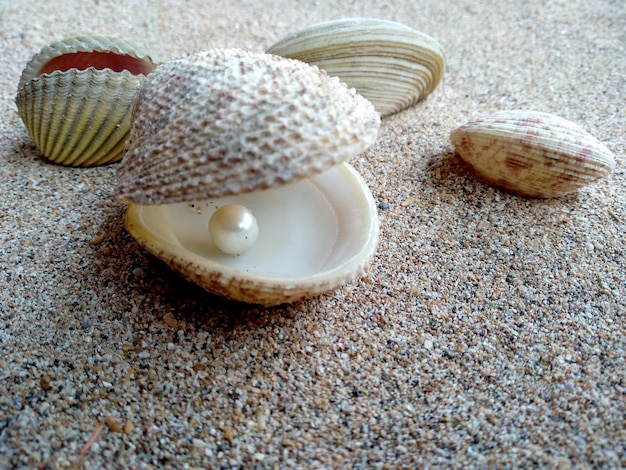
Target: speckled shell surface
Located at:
point(75, 97)
point(228, 121)
point(391, 64)
point(532, 153)
point(271, 134)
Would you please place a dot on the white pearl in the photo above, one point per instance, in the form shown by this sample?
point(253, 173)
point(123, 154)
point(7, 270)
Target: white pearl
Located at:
point(233, 229)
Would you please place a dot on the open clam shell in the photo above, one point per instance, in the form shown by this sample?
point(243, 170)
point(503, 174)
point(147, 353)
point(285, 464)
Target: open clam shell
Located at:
point(268, 133)
point(391, 64)
point(314, 236)
point(75, 97)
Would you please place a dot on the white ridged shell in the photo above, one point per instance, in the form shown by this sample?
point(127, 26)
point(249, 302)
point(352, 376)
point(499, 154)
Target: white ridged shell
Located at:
point(391, 64)
point(77, 114)
point(228, 126)
point(532, 153)
point(224, 122)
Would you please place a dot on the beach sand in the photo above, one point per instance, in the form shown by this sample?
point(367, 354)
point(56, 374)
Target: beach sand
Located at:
point(488, 331)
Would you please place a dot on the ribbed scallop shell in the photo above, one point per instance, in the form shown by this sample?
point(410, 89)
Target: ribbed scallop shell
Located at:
point(532, 153)
point(225, 122)
point(390, 64)
point(75, 97)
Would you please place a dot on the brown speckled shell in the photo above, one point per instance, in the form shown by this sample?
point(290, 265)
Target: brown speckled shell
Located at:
point(532, 153)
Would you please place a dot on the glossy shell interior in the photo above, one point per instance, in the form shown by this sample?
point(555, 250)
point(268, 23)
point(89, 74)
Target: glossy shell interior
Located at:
point(314, 235)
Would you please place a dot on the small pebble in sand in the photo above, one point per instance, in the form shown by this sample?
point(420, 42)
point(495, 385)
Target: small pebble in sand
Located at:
point(113, 424)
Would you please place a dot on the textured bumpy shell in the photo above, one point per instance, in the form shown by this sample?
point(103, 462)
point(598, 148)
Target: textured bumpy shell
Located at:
point(532, 153)
point(390, 64)
point(75, 98)
point(228, 126)
point(227, 121)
